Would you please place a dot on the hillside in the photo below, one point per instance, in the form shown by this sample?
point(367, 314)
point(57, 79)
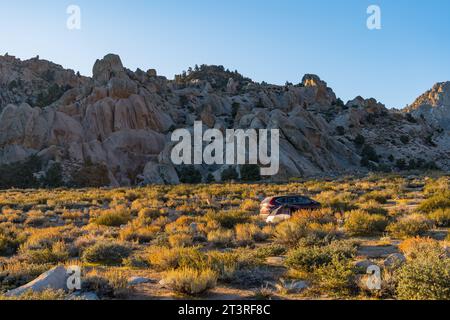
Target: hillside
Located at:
point(115, 128)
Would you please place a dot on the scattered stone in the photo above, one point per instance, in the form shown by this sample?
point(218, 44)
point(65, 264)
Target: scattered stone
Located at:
point(84, 296)
point(363, 264)
point(394, 260)
point(276, 261)
point(134, 281)
point(295, 286)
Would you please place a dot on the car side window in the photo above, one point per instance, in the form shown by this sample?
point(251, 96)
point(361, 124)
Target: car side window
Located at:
point(303, 200)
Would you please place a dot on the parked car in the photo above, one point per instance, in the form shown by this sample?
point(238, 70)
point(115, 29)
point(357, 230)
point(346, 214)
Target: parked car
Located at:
point(277, 209)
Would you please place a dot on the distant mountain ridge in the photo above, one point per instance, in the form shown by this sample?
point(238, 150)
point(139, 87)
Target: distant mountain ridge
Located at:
point(122, 120)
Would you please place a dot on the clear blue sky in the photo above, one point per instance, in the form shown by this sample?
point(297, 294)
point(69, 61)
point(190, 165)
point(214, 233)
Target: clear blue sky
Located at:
point(270, 40)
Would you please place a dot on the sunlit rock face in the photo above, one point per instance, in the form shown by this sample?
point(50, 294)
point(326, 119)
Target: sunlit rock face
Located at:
point(124, 120)
point(434, 105)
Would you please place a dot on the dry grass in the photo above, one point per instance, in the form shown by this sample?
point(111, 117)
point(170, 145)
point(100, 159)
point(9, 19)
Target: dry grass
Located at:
point(196, 235)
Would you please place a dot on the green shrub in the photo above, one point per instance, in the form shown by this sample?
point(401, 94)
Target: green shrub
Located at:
point(410, 226)
point(190, 281)
point(310, 258)
point(221, 237)
point(425, 278)
point(336, 278)
point(91, 176)
point(53, 177)
point(164, 259)
point(189, 175)
point(50, 96)
point(229, 174)
point(290, 232)
point(437, 201)
point(360, 223)
point(359, 140)
point(46, 295)
point(20, 174)
point(271, 250)
point(378, 196)
point(250, 173)
point(404, 139)
point(113, 218)
point(57, 253)
point(106, 253)
point(441, 217)
point(229, 219)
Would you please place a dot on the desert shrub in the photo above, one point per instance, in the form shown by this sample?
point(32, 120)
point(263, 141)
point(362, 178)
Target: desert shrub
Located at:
point(8, 245)
point(53, 177)
point(59, 252)
point(415, 247)
point(340, 130)
point(336, 277)
point(314, 225)
point(248, 233)
point(35, 218)
point(250, 205)
point(180, 240)
point(229, 174)
point(163, 259)
point(410, 226)
point(437, 201)
point(45, 238)
point(91, 175)
point(441, 217)
point(137, 233)
point(378, 196)
point(404, 139)
point(359, 140)
point(118, 282)
point(338, 201)
point(250, 173)
point(361, 223)
point(426, 277)
point(113, 217)
point(227, 264)
point(106, 253)
point(373, 207)
point(228, 219)
point(10, 239)
point(221, 237)
point(190, 281)
point(369, 154)
point(20, 174)
point(46, 295)
point(308, 259)
point(271, 250)
point(189, 175)
point(52, 94)
point(290, 232)
point(16, 274)
point(437, 186)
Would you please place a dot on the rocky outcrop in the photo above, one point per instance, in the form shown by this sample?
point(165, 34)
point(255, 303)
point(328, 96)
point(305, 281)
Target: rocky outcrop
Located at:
point(434, 105)
point(123, 120)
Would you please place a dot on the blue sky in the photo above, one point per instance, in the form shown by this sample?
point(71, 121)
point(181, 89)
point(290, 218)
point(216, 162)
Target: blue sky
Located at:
point(274, 41)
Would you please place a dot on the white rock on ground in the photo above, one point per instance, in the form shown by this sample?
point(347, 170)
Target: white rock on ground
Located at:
point(134, 281)
point(55, 279)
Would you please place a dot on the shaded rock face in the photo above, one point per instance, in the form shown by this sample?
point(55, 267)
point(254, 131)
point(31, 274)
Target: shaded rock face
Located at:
point(124, 119)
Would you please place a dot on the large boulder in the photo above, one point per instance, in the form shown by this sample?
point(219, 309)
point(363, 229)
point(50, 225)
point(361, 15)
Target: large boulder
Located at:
point(55, 279)
point(108, 67)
